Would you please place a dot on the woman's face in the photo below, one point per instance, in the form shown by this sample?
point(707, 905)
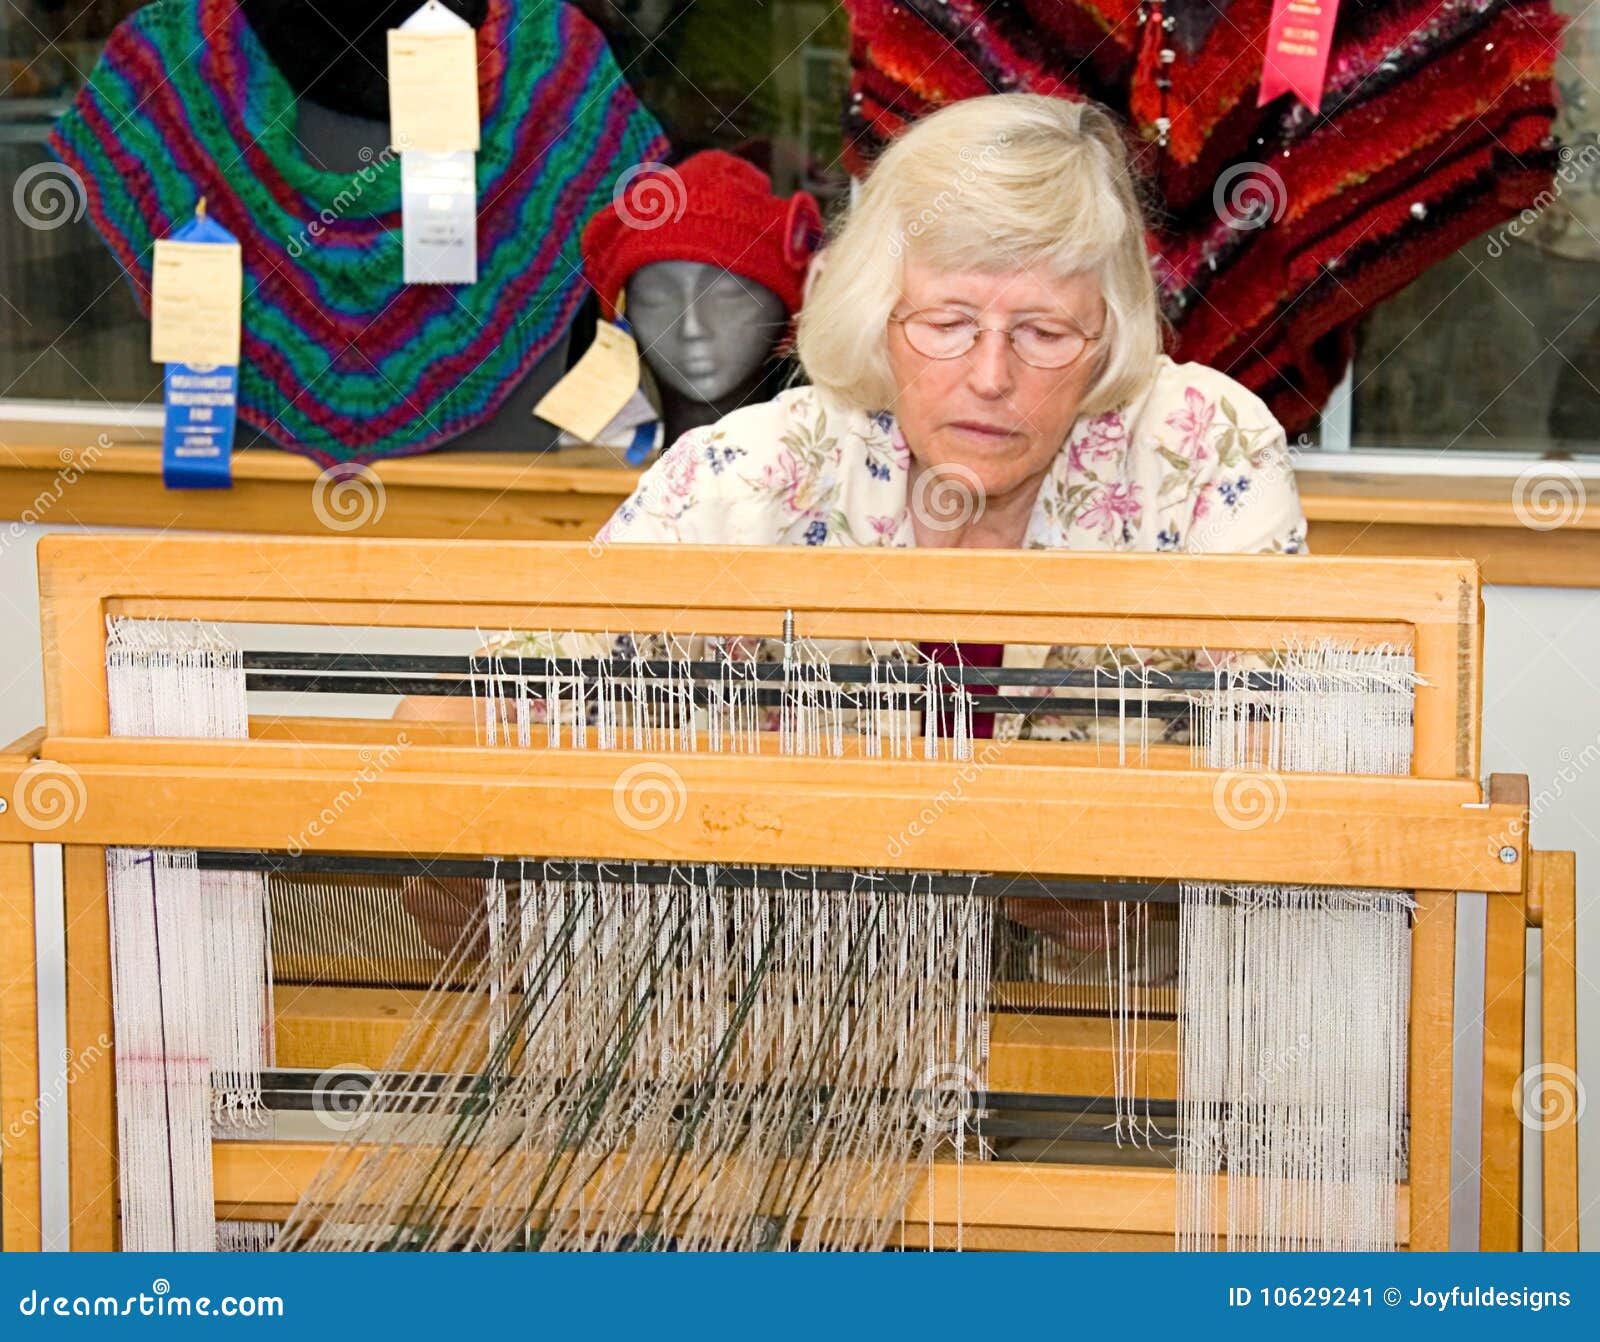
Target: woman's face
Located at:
point(987, 411)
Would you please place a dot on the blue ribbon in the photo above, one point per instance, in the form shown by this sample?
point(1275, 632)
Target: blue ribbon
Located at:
point(202, 404)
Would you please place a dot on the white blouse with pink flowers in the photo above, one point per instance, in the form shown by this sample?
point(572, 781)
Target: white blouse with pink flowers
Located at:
point(1196, 463)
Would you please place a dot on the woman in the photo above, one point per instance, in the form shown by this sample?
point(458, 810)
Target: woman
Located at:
point(984, 352)
point(983, 349)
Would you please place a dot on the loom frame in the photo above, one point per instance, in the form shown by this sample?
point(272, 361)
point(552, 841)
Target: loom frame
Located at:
point(1435, 832)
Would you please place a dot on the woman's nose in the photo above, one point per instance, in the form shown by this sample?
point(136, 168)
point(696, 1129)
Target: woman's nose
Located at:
point(989, 362)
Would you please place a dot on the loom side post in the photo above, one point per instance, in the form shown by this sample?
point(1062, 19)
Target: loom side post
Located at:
point(1431, 1068)
point(91, 1101)
point(72, 630)
point(21, 1212)
point(1445, 745)
point(1553, 907)
point(1504, 1001)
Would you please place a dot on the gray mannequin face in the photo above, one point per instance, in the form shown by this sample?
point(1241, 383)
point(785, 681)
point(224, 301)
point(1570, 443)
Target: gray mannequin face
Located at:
point(704, 331)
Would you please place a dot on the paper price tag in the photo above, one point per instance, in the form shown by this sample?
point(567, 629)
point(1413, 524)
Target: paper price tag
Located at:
point(195, 302)
point(599, 385)
point(433, 83)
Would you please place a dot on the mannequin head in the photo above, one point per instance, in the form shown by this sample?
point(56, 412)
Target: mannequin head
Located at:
point(712, 268)
point(706, 333)
point(338, 55)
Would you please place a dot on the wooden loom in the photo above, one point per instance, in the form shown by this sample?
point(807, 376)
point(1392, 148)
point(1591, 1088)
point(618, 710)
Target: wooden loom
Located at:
point(1067, 809)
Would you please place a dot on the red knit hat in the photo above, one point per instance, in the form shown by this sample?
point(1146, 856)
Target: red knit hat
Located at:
point(713, 208)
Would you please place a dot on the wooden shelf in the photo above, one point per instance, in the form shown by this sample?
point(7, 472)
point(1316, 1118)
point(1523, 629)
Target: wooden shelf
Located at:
point(80, 475)
point(64, 475)
point(1450, 517)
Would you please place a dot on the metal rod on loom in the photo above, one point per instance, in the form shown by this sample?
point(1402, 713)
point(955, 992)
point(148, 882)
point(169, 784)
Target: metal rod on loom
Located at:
point(293, 1091)
point(298, 1088)
point(660, 873)
point(538, 668)
point(461, 689)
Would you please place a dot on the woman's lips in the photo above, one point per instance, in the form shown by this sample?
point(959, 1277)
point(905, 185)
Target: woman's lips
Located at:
point(983, 430)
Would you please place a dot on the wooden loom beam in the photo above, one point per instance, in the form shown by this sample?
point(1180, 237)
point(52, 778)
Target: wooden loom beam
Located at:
point(1395, 832)
point(320, 1027)
point(262, 1181)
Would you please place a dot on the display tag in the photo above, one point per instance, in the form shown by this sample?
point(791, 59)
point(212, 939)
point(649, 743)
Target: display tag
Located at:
point(197, 282)
point(1295, 59)
point(599, 385)
point(196, 291)
point(439, 217)
point(433, 83)
point(433, 123)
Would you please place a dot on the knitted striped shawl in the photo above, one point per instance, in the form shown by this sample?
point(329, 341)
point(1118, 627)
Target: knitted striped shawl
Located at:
point(340, 360)
point(1435, 126)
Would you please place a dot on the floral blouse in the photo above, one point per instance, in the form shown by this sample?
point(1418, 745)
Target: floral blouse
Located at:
point(1195, 464)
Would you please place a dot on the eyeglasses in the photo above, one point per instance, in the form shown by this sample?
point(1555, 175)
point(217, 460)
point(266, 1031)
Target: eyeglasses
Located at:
point(938, 333)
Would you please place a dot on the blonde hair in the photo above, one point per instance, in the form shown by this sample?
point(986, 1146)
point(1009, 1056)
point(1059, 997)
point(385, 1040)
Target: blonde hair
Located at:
point(992, 184)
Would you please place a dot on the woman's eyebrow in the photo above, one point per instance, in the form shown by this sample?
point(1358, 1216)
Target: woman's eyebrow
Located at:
point(1020, 315)
point(1055, 314)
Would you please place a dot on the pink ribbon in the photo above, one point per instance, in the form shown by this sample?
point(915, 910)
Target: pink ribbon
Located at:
point(1299, 39)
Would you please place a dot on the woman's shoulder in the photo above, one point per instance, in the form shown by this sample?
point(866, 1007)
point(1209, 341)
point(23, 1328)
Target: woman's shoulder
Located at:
point(745, 478)
point(1221, 459)
point(1197, 393)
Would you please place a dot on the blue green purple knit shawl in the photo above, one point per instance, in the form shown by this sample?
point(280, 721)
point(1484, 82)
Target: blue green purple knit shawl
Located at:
point(340, 359)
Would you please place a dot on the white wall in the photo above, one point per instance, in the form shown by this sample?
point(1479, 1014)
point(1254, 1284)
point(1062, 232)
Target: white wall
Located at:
point(1541, 718)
